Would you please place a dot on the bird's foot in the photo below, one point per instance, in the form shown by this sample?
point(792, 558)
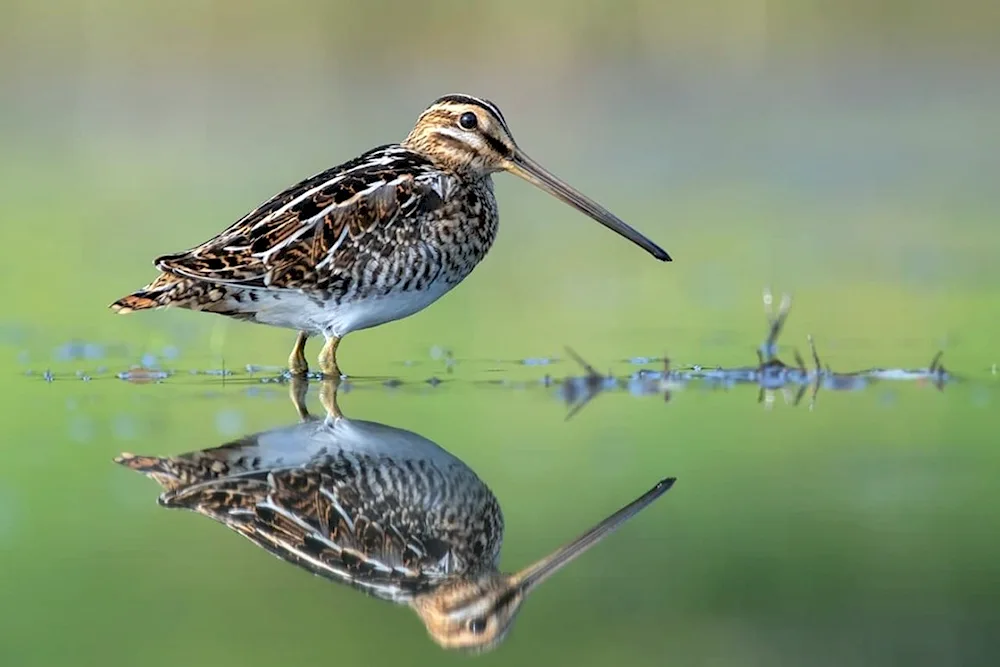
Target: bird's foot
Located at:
point(328, 359)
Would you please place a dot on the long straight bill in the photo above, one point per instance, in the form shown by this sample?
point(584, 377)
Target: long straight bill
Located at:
point(533, 575)
point(523, 166)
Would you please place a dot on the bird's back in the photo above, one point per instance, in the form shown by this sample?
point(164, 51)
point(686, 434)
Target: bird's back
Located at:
point(340, 231)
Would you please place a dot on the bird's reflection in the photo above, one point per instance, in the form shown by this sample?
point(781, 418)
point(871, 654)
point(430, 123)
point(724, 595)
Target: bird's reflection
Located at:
point(382, 509)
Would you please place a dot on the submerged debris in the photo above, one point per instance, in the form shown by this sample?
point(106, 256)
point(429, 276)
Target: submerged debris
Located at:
point(139, 375)
point(770, 374)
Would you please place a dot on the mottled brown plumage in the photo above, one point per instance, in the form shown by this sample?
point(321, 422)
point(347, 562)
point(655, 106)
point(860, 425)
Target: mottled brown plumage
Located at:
point(370, 241)
point(380, 509)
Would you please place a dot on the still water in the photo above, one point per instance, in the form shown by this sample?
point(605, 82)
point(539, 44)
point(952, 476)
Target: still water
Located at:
point(820, 515)
point(377, 508)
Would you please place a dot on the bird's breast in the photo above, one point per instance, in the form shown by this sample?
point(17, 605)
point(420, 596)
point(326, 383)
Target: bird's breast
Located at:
point(466, 228)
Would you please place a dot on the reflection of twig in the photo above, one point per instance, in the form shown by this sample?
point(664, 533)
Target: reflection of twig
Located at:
point(812, 348)
point(938, 373)
point(770, 375)
point(825, 377)
point(578, 392)
point(667, 394)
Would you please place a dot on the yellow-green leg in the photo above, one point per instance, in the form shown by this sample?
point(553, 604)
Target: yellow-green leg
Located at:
point(328, 358)
point(328, 397)
point(297, 364)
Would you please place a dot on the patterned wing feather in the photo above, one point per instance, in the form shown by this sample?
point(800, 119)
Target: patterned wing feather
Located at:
point(301, 238)
point(305, 517)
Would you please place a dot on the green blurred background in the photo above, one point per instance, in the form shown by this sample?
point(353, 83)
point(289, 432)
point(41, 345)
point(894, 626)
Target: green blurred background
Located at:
point(847, 152)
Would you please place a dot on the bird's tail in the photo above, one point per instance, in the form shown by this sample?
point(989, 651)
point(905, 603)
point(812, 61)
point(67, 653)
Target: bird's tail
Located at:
point(166, 290)
point(191, 481)
point(168, 473)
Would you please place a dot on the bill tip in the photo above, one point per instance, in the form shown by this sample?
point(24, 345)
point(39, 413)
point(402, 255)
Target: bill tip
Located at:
point(661, 254)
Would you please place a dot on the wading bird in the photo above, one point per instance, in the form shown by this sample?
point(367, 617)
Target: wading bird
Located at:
point(370, 241)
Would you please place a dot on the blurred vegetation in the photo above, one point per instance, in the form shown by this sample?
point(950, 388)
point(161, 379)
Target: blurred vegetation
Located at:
point(564, 32)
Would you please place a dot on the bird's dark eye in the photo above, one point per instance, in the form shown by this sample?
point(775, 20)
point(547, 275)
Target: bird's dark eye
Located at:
point(467, 120)
point(477, 626)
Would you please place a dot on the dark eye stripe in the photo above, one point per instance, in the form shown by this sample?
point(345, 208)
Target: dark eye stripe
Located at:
point(504, 600)
point(494, 143)
point(497, 145)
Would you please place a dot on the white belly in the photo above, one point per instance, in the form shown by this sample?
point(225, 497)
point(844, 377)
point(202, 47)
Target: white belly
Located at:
point(297, 445)
point(293, 310)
